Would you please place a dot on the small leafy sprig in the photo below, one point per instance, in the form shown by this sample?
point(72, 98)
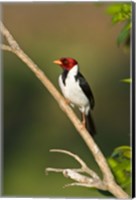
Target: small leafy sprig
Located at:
point(120, 164)
point(122, 12)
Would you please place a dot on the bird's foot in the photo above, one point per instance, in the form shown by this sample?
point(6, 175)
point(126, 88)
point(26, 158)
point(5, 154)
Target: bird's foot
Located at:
point(83, 125)
point(83, 120)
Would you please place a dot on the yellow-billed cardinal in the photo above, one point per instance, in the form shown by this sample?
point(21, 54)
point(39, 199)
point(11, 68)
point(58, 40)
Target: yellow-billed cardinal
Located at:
point(76, 90)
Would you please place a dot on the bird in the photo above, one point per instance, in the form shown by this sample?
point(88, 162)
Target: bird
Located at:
point(76, 90)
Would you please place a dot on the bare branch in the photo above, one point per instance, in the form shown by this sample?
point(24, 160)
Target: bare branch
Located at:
point(5, 47)
point(59, 170)
point(84, 167)
point(12, 43)
point(98, 155)
point(74, 174)
point(69, 173)
point(81, 180)
point(78, 184)
point(89, 185)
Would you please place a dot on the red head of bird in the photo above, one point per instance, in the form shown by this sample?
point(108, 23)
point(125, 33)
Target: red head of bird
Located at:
point(66, 63)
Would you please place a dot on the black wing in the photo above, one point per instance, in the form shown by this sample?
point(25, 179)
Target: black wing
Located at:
point(86, 88)
point(64, 76)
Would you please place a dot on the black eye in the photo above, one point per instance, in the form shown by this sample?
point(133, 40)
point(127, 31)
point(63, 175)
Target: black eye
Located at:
point(65, 61)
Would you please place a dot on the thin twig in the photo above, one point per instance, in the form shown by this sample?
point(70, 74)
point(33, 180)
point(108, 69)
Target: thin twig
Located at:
point(98, 155)
point(5, 47)
point(70, 173)
point(93, 179)
point(84, 166)
point(59, 170)
point(89, 185)
point(81, 180)
point(79, 184)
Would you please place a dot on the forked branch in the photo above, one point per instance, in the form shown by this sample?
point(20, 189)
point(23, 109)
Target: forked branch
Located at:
point(89, 180)
point(108, 178)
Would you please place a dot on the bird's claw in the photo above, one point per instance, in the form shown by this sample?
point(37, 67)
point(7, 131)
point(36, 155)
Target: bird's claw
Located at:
point(83, 125)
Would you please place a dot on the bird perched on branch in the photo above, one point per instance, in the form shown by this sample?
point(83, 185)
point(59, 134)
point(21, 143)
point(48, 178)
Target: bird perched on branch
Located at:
point(77, 91)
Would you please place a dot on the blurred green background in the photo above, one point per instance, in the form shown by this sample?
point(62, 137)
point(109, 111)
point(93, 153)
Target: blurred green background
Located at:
point(33, 122)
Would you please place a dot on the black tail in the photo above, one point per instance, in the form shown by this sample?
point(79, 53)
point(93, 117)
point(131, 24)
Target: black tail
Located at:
point(90, 124)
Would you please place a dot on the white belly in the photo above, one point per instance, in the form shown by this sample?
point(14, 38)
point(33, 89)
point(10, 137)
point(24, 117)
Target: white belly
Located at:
point(74, 93)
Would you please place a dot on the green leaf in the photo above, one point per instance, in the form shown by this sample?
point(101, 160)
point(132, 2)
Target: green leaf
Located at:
point(119, 12)
point(119, 162)
point(122, 151)
point(114, 8)
point(124, 34)
point(122, 12)
point(127, 80)
point(117, 18)
point(126, 7)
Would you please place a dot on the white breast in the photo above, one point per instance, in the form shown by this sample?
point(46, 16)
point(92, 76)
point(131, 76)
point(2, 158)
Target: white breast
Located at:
point(72, 91)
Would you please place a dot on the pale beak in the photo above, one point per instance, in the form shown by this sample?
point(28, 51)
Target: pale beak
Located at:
point(58, 62)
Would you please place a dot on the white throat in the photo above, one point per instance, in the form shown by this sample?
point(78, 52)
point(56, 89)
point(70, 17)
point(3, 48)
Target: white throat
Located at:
point(73, 71)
